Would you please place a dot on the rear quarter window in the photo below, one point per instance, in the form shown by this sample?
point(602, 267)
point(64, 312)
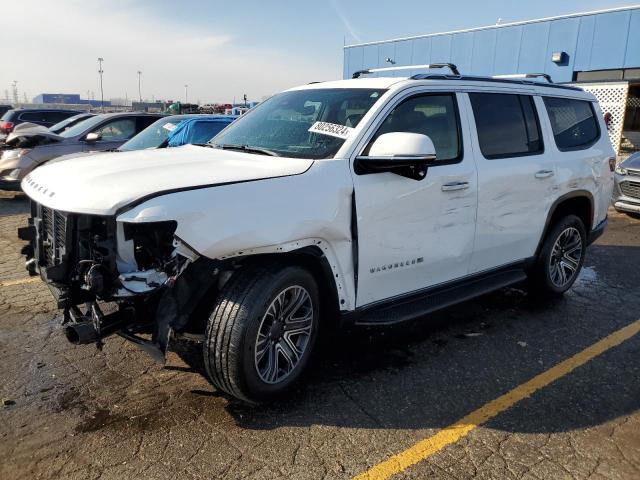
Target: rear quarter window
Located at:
point(33, 117)
point(573, 122)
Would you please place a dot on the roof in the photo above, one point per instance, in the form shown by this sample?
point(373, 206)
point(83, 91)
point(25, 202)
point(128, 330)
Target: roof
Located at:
point(376, 83)
point(398, 83)
point(501, 25)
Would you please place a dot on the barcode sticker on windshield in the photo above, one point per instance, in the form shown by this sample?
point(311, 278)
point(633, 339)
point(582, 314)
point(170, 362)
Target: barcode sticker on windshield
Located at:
point(331, 129)
point(169, 126)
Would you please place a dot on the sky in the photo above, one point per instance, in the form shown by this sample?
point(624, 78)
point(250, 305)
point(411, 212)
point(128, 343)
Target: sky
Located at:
point(220, 49)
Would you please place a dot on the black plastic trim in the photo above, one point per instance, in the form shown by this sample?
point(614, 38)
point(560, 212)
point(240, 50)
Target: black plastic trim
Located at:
point(416, 304)
point(354, 241)
point(597, 232)
point(554, 206)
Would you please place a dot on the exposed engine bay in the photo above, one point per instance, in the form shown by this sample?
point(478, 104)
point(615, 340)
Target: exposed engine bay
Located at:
point(112, 277)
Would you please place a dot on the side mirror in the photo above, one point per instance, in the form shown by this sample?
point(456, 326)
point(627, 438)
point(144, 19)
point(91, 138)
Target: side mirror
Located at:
point(408, 154)
point(92, 137)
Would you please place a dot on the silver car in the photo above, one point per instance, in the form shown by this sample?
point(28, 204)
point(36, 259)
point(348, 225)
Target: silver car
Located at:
point(626, 193)
point(99, 133)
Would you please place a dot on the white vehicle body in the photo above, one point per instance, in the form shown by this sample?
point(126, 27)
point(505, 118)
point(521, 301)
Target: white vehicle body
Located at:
point(300, 202)
point(382, 236)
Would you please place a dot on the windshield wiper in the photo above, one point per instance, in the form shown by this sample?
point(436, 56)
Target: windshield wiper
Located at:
point(245, 148)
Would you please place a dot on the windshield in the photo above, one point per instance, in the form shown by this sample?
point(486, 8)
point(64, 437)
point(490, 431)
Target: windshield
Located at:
point(81, 127)
point(286, 124)
point(154, 135)
point(69, 122)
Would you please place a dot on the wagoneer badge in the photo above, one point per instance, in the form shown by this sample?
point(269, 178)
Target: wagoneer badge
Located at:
point(393, 266)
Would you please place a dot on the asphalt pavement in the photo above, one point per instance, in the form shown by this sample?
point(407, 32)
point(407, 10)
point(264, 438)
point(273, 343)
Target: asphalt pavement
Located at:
point(398, 402)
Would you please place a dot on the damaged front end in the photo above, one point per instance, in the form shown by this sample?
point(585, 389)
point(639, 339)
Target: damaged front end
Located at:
point(111, 277)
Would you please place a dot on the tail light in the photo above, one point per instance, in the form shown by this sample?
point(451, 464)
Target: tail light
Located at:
point(612, 163)
point(6, 126)
point(607, 120)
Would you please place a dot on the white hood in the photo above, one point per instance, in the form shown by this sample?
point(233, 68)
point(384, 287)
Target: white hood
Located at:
point(102, 183)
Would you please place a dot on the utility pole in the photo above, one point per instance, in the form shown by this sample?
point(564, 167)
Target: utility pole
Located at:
point(14, 86)
point(100, 71)
point(139, 89)
point(186, 93)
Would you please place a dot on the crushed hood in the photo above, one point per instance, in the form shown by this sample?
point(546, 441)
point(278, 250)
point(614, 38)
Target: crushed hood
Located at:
point(31, 137)
point(103, 183)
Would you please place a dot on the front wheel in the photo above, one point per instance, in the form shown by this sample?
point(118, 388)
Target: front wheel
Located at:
point(561, 257)
point(261, 331)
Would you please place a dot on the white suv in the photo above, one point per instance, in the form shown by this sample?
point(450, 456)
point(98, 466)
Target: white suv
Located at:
point(371, 200)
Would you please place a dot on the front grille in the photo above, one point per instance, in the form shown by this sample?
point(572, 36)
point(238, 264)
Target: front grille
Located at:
point(630, 189)
point(53, 236)
point(635, 173)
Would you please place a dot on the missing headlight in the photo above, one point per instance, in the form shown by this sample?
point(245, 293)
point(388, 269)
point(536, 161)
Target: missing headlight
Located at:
point(152, 243)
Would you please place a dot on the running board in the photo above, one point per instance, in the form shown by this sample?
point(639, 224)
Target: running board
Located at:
point(436, 298)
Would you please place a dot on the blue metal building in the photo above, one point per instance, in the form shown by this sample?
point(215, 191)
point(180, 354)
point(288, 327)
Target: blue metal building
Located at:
point(593, 46)
point(67, 98)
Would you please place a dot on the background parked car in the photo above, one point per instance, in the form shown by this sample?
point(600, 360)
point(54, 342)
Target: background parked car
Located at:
point(177, 130)
point(171, 131)
point(626, 192)
point(46, 117)
point(101, 132)
point(24, 130)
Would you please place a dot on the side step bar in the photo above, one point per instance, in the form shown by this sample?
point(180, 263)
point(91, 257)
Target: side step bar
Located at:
point(436, 298)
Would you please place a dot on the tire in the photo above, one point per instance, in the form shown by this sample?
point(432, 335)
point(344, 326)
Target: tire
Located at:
point(243, 338)
point(633, 215)
point(560, 260)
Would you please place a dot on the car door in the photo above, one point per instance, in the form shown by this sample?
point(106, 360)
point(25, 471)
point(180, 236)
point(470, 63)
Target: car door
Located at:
point(113, 133)
point(413, 234)
point(516, 176)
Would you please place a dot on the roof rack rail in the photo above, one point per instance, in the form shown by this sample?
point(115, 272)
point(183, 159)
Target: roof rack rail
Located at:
point(546, 76)
point(450, 66)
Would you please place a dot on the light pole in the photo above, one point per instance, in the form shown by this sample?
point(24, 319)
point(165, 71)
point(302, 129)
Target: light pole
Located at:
point(100, 71)
point(186, 93)
point(139, 90)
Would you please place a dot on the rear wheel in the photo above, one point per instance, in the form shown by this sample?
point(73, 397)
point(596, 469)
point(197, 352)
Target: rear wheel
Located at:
point(561, 257)
point(261, 331)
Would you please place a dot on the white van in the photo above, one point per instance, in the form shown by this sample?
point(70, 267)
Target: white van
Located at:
point(371, 200)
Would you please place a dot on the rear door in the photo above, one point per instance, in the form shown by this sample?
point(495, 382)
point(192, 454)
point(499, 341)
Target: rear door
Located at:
point(516, 176)
point(414, 234)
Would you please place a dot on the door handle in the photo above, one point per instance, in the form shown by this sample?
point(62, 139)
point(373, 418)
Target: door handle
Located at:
point(450, 187)
point(544, 173)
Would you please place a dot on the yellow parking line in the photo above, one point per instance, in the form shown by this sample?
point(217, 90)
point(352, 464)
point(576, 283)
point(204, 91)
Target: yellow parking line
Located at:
point(20, 281)
point(451, 434)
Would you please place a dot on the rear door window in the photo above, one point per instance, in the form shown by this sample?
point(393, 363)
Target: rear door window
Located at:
point(507, 125)
point(55, 117)
point(38, 117)
point(573, 123)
